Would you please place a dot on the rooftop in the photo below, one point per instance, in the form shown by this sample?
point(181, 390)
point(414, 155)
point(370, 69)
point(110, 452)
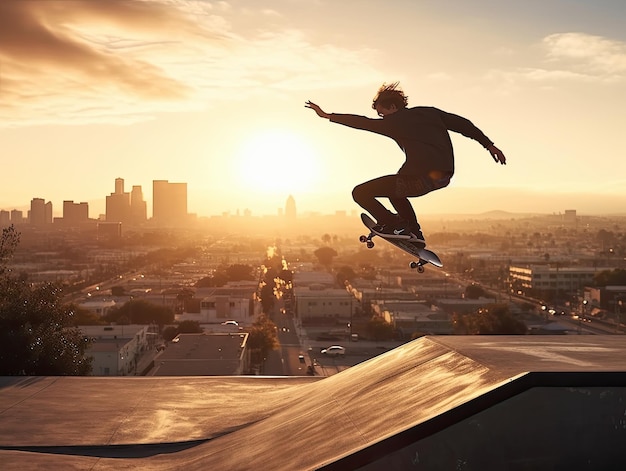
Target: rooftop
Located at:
point(376, 412)
point(201, 355)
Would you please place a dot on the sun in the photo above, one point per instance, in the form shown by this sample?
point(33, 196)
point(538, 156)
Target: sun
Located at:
point(276, 162)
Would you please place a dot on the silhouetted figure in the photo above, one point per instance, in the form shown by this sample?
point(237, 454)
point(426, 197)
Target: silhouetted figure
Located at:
point(422, 134)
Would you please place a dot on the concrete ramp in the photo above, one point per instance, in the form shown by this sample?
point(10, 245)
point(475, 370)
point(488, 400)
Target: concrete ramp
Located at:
point(463, 403)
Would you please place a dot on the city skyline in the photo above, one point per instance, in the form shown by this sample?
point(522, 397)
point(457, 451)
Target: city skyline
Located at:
point(169, 206)
point(578, 202)
point(216, 99)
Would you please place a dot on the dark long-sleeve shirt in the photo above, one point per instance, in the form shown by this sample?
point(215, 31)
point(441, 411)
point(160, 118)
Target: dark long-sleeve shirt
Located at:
point(422, 134)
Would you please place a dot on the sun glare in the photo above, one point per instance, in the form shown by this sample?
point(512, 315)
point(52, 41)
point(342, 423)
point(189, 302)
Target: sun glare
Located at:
point(276, 162)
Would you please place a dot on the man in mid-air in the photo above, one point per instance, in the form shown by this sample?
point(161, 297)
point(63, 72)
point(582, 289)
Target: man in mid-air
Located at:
point(422, 134)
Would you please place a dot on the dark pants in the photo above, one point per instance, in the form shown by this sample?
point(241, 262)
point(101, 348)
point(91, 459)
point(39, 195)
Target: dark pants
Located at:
point(398, 188)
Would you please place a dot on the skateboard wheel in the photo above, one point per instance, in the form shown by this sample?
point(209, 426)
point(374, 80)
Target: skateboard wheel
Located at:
point(363, 239)
point(370, 244)
point(413, 265)
point(420, 269)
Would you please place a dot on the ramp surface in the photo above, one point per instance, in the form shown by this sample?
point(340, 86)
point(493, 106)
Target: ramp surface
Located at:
point(422, 395)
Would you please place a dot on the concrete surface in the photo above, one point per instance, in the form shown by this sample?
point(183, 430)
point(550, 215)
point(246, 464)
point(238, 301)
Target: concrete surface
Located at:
point(346, 421)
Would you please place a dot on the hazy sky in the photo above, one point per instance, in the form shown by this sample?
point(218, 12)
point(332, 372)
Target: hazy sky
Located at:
point(212, 94)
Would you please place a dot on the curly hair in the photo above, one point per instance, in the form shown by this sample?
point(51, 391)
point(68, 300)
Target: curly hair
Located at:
point(391, 94)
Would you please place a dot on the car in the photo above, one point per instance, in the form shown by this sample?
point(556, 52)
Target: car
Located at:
point(235, 323)
point(334, 350)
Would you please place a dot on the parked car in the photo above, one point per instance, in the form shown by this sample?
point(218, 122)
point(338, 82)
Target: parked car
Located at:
point(334, 350)
point(235, 323)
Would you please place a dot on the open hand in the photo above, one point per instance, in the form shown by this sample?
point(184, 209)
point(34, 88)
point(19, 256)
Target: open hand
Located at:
point(321, 113)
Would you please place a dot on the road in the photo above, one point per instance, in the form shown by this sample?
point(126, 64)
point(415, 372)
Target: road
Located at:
point(296, 354)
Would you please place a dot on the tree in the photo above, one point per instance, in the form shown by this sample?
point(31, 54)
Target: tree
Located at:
point(610, 277)
point(240, 272)
point(224, 274)
point(8, 243)
point(345, 274)
point(83, 316)
point(217, 279)
point(379, 329)
point(189, 327)
point(169, 333)
point(475, 291)
point(262, 338)
point(325, 255)
point(267, 297)
point(37, 333)
point(140, 311)
point(493, 320)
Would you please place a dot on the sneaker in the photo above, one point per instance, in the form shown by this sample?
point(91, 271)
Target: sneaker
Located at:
point(417, 236)
point(390, 231)
point(413, 230)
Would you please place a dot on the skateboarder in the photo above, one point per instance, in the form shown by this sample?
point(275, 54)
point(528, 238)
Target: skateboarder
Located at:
point(422, 133)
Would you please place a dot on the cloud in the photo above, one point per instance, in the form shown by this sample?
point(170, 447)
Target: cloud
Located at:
point(580, 56)
point(598, 54)
point(574, 58)
point(124, 60)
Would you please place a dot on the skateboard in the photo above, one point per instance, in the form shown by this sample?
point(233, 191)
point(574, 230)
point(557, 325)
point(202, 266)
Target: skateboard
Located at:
point(424, 256)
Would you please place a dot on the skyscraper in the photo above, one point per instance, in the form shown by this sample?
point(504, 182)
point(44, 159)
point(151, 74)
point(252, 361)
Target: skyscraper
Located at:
point(5, 218)
point(37, 212)
point(17, 217)
point(169, 203)
point(40, 212)
point(48, 213)
point(118, 204)
point(138, 207)
point(290, 208)
point(75, 214)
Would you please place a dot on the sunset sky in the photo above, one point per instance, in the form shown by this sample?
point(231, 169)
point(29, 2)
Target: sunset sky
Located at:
point(212, 94)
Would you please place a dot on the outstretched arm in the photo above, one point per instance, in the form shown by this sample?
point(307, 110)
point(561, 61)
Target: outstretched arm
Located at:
point(320, 112)
point(497, 154)
point(378, 126)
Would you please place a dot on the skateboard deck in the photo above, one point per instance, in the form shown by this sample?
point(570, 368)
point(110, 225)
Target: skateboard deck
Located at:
point(423, 255)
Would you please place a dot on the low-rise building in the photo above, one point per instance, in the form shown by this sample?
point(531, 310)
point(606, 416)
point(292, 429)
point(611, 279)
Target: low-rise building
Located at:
point(235, 301)
point(321, 303)
point(101, 307)
point(411, 316)
point(541, 280)
point(217, 354)
point(611, 298)
point(116, 349)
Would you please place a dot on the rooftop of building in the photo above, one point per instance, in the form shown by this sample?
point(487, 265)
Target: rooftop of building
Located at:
point(379, 407)
point(201, 355)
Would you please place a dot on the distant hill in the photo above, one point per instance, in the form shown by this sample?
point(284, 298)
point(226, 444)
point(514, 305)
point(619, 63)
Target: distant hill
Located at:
point(488, 215)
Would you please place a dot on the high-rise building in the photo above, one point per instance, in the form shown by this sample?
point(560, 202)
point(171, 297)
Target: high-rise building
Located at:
point(118, 204)
point(17, 216)
point(138, 207)
point(48, 212)
point(37, 215)
point(40, 212)
point(5, 218)
point(290, 208)
point(75, 214)
point(169, 203)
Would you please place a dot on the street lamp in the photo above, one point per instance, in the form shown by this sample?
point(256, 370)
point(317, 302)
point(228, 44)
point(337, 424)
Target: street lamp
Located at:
point(582, 315)
point(618, 314)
